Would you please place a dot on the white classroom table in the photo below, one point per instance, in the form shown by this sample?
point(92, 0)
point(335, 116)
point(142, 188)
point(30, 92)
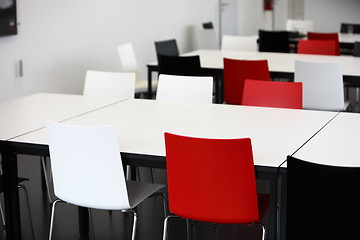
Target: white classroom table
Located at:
point(141, 124)
point(25, 115)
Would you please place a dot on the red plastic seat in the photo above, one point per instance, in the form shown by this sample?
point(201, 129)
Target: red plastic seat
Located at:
point(325, 36)
point(272, 94)
point(323, 47)
point(235, 73)
point(202, 188)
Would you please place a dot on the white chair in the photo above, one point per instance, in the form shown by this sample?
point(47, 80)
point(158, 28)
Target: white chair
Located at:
point(239, 43)
point(301, 26)
point(88, 172)
point(129, 64)
point(207, 39)
point(323, 87)
point(110, 84)
point(184, 89)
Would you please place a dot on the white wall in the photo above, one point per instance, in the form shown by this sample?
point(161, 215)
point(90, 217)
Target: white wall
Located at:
point(328, 14)
point(59, 40)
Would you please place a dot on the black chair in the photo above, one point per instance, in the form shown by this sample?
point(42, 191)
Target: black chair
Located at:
point(167, 47)
point(208, 25)
point(357, 49)
point(322, 201)
point(274, 41)
point(344, 27)
point(180, 65)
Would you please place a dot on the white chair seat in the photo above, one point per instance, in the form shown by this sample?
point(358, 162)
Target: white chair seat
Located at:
point(138, 191)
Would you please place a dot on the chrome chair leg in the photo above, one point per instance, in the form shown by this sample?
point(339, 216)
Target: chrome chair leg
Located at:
point(46, 177)
point(28, 209)
point(52, 217)
point(165, 233)
point(91, 223)
point(133, 234)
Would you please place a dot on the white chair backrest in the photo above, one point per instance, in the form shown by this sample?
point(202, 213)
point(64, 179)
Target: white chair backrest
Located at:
point(86, 166)
point(239, 43)
point(302, 26)
point(110, 84)
point(128, 59)
point(184, 89)
point(207, 39)
point(323, 87)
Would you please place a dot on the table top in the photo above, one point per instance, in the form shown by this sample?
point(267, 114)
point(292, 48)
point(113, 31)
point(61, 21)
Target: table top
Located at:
point(141, 124)
point(337, 144)
point(28, 113)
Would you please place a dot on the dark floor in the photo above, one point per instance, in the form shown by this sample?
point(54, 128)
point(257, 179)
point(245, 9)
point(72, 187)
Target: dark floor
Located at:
point(115, 225)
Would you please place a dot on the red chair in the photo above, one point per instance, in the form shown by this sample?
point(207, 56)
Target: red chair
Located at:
point(272, 94)
point(202, 188)
point(325, 36)
point(235, 73)
point(323, 47)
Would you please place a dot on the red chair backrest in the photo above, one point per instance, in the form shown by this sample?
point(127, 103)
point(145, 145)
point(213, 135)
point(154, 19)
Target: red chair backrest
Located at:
point(325, 36)
point(272, 94)
point(235, 73)
point(323, 47)
point(211, 180)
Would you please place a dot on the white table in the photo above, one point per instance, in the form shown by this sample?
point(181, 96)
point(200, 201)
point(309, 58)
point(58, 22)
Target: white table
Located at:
point(141, 124)
point(26, 115)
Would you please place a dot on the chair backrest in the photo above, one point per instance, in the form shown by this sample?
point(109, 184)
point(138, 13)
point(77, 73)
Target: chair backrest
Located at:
point(208, 25)
point(349, 28)
point(328, 195)
point(301, 26)
point(184, 89)
point(325, 36)
point(357, 49)
point(201, 188)
point(323, 47)
point(166, 47)
point(272, 94)
point(180, 65)
point(274, 41)
point(239, 43)
point(86, 166)
point(235, 73)
point(128, 59)
point(323, 87)
point(110, 84)
point(207, 39)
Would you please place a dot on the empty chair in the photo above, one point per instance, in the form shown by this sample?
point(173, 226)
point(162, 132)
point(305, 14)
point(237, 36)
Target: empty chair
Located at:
point(325, 36)
point(322, 201)
point(212, 191)
point(274, 41)
point(349, 28)
point(323, 47)
point(207, 39)
point(323, 87)
point(88, 172)
point(272, 94)
point(129, 64)
point(110, 84)
point(180, 65)
point(166, 47)
point(347, 85)
point(235, 73)
point(357, 49)
point(239, 43)
point(208, 25)
point(185, 89)
point(301, 26)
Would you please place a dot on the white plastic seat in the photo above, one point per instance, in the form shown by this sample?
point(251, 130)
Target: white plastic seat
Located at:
point(88, 172)
point(110, 84)
point(207, 39)
point(323, 87)
point(301, 26)
point(239, 43)
point(129, 64)
point(184, 89)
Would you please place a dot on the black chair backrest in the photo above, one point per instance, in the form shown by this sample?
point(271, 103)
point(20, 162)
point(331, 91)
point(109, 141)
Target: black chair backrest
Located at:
point(357, 49)
point(179, 65)
point(322, 201)
point(208, 25)
point(344, 27)
point(274, 41)
point(167, 47)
